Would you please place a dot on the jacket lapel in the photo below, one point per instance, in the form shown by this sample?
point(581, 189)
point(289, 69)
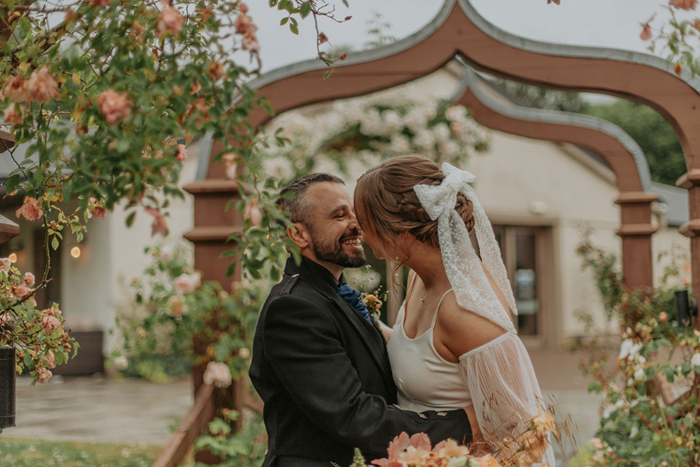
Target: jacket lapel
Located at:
point(376, 349)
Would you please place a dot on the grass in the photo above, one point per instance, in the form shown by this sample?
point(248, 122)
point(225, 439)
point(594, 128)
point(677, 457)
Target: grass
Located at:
point(31, 452)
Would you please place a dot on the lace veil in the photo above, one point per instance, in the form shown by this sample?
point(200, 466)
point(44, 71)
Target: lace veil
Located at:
point(500, 377)
point(467, 277)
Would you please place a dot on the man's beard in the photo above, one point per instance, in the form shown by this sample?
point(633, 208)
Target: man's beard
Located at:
point(334, 253)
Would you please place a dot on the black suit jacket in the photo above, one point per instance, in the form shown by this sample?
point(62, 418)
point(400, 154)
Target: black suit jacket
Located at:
point(324, 375)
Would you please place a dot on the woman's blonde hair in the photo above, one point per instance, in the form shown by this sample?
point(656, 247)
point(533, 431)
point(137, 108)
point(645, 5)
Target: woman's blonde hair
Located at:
point(387, 206)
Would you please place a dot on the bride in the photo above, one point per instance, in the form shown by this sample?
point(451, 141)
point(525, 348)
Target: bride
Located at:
point(454, 344)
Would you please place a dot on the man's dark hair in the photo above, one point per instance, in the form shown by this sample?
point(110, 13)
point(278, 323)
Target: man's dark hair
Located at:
point(295, 203)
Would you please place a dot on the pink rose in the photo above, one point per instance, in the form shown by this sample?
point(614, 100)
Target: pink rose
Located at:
point(29, 279)
point(181, 153)
point(245, 27)
point(244, 24)
point(188, 282)
point(114, 106)
point(30, 210)
point(6, 318)
point(159, 225)
point(22, 290)
point(169, 21)
point(646, 32)
point(216, 70)
point(43, 375)
point(251, 43)
point(53, 311)
point(217, 374)
point(242, 7)
point(684, 4)
point(15, 89)
point(101, 3)
point(663, 316)
point(12, 115)
point(50, 323)
point(5, 264)
point(41, 86)
point(97, 211)
point(49, 360)
point(175, 307)
point(195, 88)
point(252, 212)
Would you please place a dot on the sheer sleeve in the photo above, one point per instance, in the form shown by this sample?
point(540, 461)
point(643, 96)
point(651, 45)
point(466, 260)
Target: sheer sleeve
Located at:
point(504, 390)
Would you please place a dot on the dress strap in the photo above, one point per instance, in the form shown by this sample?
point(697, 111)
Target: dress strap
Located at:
point(437, 308)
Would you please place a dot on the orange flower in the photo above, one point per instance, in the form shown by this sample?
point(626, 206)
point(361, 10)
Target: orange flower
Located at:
point(181, 153)
point(487, 461)
point(216, 70)
point(12, 115)
point(543, 423)
point(15, 89)
point(41, 86)
point(30, 210)
point(169, 21)
point(684, 4)
point(114, 106)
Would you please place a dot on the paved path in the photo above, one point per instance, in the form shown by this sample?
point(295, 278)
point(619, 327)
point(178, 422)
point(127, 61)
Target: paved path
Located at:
point(138, 412)
point(91, 409)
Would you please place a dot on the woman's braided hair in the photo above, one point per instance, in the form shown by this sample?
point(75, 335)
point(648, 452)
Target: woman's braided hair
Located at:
point(387, 205)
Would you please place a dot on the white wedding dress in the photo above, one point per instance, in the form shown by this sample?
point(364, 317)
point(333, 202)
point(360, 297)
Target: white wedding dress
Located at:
point(497, 379)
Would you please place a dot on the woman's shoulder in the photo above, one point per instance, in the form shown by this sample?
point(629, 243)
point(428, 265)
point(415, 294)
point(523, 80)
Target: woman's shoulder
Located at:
point(462, 330)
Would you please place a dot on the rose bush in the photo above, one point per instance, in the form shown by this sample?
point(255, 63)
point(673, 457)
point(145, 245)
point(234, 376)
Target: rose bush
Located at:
point(651, 394)
point(173, 321)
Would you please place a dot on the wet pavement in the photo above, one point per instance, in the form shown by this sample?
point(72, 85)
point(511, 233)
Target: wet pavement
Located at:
point(100, 410)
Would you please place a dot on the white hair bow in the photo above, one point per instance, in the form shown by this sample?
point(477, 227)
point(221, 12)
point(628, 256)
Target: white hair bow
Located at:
point(464, 271)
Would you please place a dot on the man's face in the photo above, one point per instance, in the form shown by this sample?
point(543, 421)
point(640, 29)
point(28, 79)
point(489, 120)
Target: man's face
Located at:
point(335, 235)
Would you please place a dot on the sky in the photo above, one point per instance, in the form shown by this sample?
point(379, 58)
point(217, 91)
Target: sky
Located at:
point(601, 23)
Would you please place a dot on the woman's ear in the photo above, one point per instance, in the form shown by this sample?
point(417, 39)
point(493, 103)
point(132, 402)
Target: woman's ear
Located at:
point(299, 234)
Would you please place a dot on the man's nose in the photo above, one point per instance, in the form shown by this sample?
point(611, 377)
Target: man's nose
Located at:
point(353, 219)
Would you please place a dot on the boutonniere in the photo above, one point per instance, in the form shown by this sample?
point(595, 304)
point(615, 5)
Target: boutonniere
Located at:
point(373, 303)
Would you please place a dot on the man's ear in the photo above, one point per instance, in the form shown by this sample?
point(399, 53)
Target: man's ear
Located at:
point(299, 234)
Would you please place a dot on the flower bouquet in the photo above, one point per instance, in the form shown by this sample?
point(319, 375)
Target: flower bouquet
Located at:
point(416, 451)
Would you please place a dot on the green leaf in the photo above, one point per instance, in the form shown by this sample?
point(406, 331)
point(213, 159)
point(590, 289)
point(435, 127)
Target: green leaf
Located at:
point(305, 9)
point(327, 74)
point(130, 219)
point(55, 243)
point(12, 183)
point(595, 386)
point(123, 145)
point(294, 28)
point(284, 21)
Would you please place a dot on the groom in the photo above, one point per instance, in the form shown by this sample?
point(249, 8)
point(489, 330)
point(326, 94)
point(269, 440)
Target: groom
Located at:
point(319, 364)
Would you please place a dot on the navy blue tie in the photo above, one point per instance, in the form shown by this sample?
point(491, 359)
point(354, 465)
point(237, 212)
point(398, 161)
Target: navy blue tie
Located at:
point(352, 296)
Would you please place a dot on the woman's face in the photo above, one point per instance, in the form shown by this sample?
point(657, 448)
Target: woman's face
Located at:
point(368, 235)
point(373, 241)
